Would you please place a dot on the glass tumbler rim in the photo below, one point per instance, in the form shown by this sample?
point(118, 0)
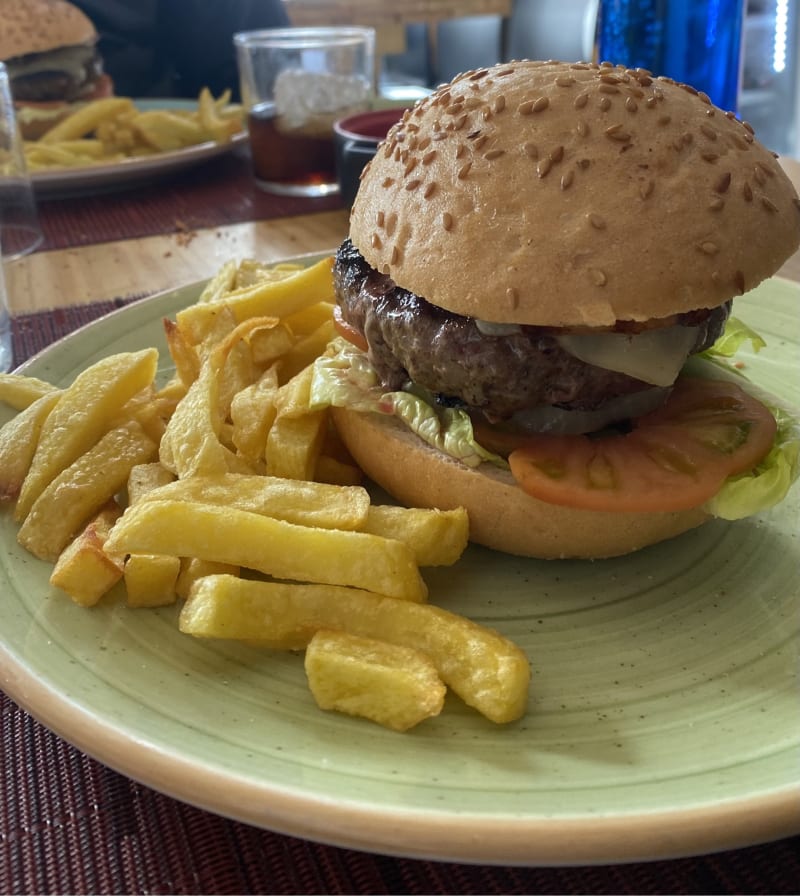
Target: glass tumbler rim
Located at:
point(311, 36)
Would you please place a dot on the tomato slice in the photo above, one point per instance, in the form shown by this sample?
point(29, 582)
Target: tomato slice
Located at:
point(348, 331)
point(675, 458)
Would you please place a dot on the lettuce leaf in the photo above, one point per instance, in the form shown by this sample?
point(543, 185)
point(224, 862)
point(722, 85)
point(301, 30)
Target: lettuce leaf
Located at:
point(343, 377)
point(734, 336)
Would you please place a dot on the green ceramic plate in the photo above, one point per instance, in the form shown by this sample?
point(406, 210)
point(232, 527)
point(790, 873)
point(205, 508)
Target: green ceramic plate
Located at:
point(663, 715)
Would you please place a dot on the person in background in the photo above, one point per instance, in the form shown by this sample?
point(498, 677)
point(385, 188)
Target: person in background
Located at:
point(173, 48)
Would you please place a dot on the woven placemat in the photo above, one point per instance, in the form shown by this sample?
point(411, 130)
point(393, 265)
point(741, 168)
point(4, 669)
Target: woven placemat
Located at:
point(69, 824)
point(214, 194)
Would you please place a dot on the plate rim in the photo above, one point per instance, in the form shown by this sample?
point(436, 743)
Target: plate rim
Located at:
point(504, 838)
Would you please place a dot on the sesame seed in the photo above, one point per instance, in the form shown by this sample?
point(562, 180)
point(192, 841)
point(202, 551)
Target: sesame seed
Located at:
point(608, 88)
point(748, 127)
point(598, 277)
point(463, 171)
point(664, 119)
point(541, 104)
point(460, 150)
point(430, 189)
point(747, 192)
point(447, 221)
point(605, 103)
point(650, 102)
point(429, 157)
point(543, 167)
point(499, 104)
point(723, 182)
point(615, 133)
point(480, 141)
point(525, 108)
point(513, 297)
point(716, 204)
point(609, 79)
point(387, 182)
point(581, 100)
point(460, 122)
point(413, 184)
point(493, 154)
point(411, 164)
point(646, 188)
point(556, 154)
point(395, 256)
point(708, 248)
point(704, 97)
point(531, 150)
point(768, 204)
point(631, 105)
point(582, 128)
point(738, 279)
point(758, 174)
point(709, 156)
point(473, 102)
point(766, 169)
point(596, 221)
point(379, 218)
point(708, 131)
point(566, 179)
point(565, 80)
point(376, 241)
point(391, 223)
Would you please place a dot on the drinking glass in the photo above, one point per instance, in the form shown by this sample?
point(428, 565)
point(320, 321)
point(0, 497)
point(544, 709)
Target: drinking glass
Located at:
point(295, 83)
point(19, 223)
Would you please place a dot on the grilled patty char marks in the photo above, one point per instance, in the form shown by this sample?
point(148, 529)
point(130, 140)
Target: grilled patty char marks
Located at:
point(500, 375)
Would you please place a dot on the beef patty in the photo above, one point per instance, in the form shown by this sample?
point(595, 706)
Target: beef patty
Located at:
point(456, 359)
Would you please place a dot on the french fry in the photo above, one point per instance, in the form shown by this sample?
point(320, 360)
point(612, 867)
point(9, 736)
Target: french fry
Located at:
point(83, 569)
point(82, 416)
point(252, 414)
point(191, 445)
point(184, 356)
point(488, 672)
point(269, 343)
point(437, 537)
point(163, 130)
point(306, 350)
point(150, 579)
point(18, 440)
point(305, 321)
point(85, 119)
point(64, 505)
point(144, 479)
point(336, 472)
point(274, 547)
point(301, 503)
point(397, 687)
point(295, 439)
point(19, 391)
point(273, 298)
point(192, 569)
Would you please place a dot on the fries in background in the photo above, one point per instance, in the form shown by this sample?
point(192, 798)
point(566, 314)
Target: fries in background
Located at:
point(113, 129)
point(241, 500)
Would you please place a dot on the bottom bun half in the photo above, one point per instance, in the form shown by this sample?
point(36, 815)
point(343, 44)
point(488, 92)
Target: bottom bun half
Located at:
point(501, 515)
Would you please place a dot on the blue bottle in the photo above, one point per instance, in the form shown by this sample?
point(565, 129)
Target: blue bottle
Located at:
point(697, 42)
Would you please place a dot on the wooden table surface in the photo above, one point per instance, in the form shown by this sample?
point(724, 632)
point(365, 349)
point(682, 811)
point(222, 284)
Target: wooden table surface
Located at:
point(73, 276)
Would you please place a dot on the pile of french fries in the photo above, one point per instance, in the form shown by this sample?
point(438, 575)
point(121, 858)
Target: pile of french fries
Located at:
point(223, 487)
point(112, 129)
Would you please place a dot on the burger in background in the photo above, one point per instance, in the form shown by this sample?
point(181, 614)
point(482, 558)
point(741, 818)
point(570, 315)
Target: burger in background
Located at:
point(49, 48)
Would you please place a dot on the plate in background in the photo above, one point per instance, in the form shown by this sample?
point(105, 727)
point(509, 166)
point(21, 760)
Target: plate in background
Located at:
point(110, 176)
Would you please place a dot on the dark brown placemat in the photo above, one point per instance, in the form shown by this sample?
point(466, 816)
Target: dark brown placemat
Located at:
point(69, 824)
point(213, 194)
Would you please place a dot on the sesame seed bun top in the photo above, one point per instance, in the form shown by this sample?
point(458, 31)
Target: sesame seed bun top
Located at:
point(36, 26)
point(573, 195)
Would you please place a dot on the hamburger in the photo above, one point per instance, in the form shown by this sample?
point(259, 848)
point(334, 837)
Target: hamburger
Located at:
point(49, 48)
point(537, 252)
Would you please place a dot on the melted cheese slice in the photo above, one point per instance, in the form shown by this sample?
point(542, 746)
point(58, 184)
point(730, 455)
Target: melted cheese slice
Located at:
point(653, 356)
